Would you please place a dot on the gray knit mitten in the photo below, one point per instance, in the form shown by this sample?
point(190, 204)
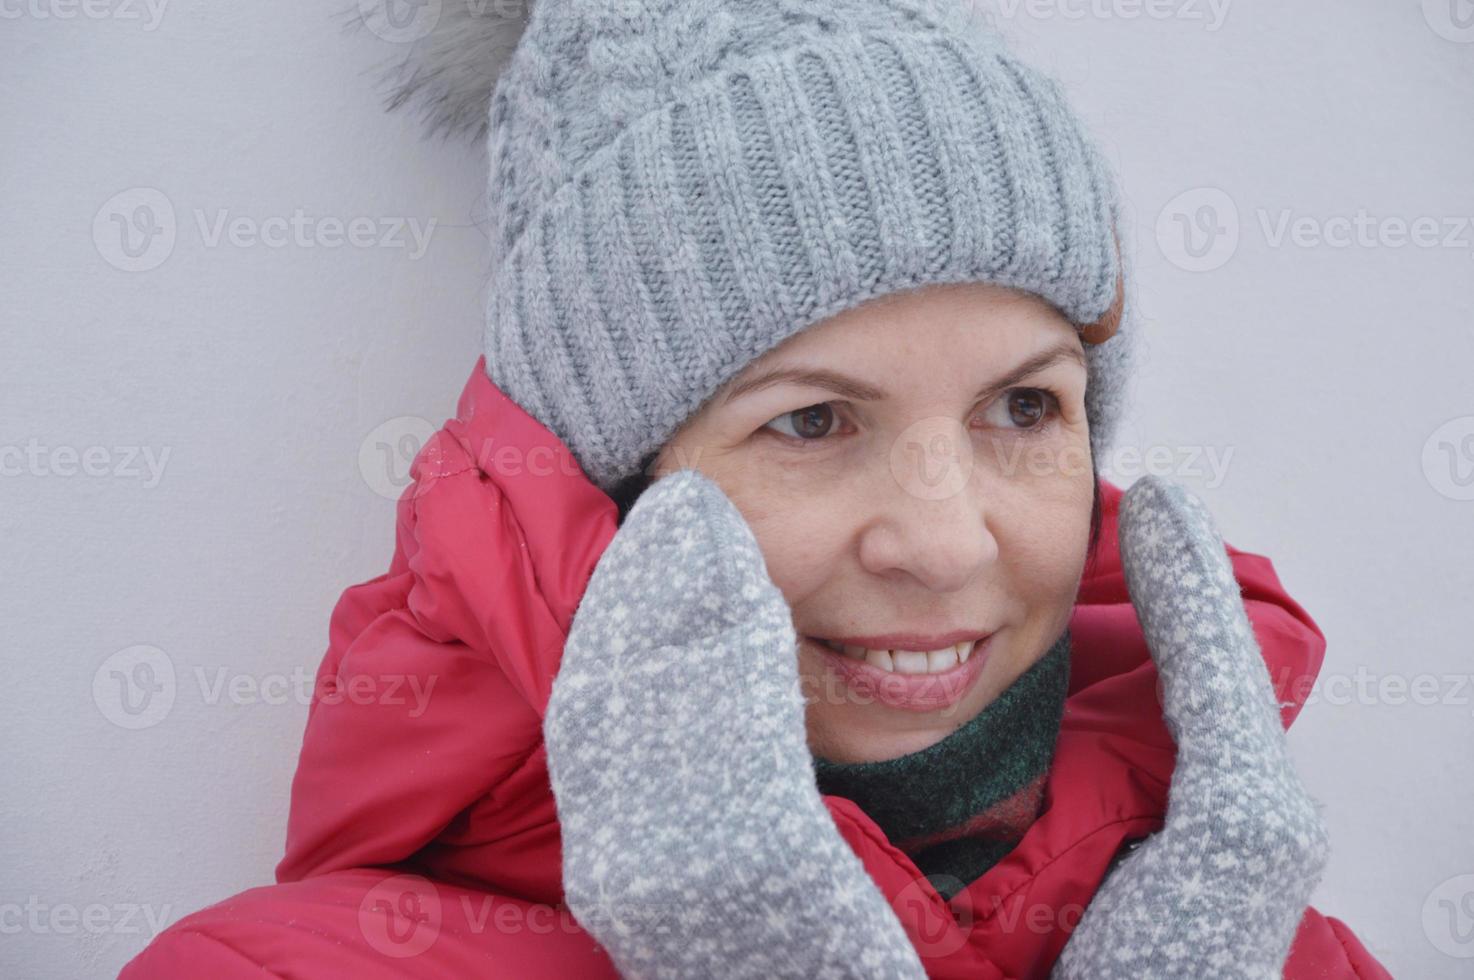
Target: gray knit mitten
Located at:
point(1220, 890)
point(695, 840)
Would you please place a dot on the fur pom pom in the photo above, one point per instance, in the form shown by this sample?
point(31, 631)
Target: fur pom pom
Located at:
point(453, 53)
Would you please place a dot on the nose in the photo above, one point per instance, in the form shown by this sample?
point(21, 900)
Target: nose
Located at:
point(941, 541)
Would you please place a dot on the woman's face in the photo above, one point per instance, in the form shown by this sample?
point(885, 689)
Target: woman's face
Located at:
point(930, 476)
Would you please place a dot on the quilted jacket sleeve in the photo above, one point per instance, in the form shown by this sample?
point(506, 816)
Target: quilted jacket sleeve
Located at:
point(423, 744)
point(419, 709)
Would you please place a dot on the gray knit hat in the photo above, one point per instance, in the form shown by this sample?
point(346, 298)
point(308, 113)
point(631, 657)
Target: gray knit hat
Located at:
point(677, 186)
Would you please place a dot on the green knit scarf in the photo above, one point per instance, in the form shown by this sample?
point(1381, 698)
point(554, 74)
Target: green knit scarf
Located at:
point(959, 806)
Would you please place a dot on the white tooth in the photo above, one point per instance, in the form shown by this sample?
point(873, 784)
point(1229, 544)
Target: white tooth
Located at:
point(879, 658)
point(850, 650)
point(940, 660)
point(964, 650)
point(910, 661)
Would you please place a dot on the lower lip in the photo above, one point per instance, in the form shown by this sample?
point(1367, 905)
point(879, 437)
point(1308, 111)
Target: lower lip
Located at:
point(909, 692)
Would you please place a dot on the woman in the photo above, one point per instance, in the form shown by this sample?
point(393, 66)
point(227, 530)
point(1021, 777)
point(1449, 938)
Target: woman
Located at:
point(687, 195)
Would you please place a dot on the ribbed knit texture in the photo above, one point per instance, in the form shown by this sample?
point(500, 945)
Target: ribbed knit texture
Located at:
point(960, 805)
point(677, 186)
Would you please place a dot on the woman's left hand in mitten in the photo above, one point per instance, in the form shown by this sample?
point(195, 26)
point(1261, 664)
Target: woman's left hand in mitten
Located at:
point(1220, 890)
point(695, 840)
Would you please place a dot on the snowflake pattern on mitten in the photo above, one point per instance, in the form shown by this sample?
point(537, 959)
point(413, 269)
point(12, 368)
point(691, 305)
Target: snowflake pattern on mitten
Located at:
point(1220, 890)
point(695, 840)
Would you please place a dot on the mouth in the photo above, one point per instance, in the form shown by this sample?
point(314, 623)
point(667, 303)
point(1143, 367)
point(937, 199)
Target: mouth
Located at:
point(911, 680)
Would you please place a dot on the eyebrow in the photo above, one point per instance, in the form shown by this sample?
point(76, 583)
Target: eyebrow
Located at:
point(860, 391)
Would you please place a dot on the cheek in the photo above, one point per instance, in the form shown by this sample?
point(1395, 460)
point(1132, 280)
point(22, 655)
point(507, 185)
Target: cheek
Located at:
point(800, 541)
point(1044, 536)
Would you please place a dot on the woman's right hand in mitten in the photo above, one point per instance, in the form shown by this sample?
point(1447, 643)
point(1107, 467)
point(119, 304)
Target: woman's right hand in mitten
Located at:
point(695, 840)
point(1220, 890)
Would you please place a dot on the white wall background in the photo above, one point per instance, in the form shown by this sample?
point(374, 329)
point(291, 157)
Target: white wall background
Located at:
point(1338, 376)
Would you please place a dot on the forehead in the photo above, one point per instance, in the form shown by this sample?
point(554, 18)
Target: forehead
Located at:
point(966, 325)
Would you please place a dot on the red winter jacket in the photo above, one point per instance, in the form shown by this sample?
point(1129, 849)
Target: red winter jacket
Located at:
point(423, 838)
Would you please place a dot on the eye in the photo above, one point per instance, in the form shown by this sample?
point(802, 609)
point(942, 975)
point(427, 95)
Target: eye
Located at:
point(808, 424)
point(1024, 409)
